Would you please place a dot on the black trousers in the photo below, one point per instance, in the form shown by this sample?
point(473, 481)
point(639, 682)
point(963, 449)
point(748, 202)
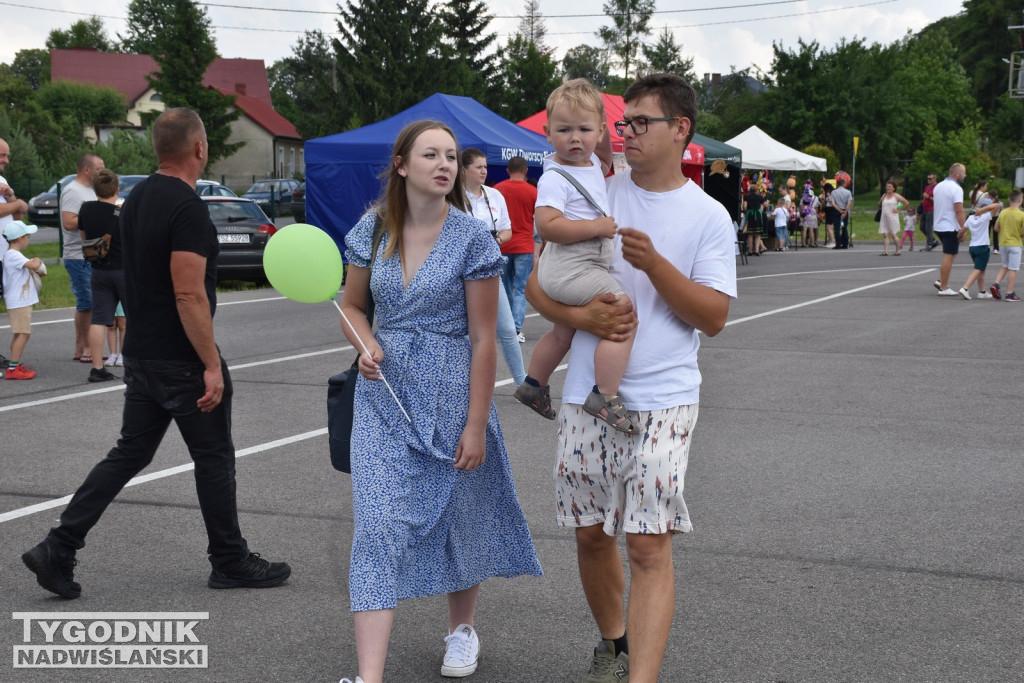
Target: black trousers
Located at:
point(157, 392)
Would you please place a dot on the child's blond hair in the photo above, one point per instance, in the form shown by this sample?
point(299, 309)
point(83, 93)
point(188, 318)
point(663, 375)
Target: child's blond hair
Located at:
point(579, 94)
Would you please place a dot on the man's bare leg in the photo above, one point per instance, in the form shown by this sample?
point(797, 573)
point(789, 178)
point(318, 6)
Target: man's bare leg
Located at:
point(603, 579)
point(652, 599)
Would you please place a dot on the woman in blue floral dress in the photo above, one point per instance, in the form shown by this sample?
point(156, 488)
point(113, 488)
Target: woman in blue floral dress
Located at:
point(434, 501)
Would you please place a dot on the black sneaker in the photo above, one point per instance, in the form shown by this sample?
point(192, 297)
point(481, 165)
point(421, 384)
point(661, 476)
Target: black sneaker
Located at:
point(101, 375)
point(54, 568)
point(252, 572)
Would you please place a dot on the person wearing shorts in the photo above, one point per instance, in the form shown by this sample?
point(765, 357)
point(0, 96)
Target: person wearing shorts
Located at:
point(97, 219)
point(977, 224)
point(676, 262)
point(1010, 227)
point(949, 220)
point(76, 193)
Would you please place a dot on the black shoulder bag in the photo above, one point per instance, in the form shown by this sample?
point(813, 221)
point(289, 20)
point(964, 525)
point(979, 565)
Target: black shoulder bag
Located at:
point(341, 388)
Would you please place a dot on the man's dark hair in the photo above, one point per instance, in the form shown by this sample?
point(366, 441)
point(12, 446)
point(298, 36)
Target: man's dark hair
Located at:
point(175, 131)
point(675, 95)
point(85, 161)
point(841, 182)
point(517, 165)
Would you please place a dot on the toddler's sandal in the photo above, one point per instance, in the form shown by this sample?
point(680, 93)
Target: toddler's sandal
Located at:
point(609, 409)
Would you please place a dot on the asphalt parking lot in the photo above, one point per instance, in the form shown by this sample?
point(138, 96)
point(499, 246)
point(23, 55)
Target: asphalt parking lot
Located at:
point(855, 484)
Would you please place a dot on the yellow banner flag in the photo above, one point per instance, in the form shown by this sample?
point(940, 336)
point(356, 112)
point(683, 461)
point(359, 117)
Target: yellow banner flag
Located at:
point(856, 141)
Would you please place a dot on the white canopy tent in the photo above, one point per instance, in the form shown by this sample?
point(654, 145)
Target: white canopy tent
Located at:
point(761, 151)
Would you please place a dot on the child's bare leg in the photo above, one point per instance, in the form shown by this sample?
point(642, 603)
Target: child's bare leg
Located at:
point(610, 360)
point(971, 279)
point(1002, 274)
point(549, 352)
point(18, 342)
point(1011, 280)
point(120, 324)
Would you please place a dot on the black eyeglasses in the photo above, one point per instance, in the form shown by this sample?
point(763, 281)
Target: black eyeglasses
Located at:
point(639, 124)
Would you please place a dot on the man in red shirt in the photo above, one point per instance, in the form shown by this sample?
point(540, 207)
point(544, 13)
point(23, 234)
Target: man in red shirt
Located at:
point(520, 196)
point(928, 213)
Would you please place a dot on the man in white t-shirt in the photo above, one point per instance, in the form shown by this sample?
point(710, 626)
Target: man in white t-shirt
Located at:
point(948, 221)
point(76, 193)
point(676, 262)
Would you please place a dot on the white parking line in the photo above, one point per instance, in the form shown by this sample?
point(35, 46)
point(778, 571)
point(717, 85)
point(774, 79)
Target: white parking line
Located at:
point(120, 387)
point(50, 504)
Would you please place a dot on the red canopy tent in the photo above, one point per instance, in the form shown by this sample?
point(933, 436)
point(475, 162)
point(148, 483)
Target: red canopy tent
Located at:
point(614, 108)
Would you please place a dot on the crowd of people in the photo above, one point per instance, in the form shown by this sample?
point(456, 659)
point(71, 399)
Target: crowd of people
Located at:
point(450, 265)
point(88, 212)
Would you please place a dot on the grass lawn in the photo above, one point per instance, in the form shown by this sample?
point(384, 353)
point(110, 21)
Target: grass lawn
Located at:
point(56, 291)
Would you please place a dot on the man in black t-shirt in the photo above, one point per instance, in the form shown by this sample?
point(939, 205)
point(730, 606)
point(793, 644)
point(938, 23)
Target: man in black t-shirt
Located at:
point(172, 369)
point(96, 219)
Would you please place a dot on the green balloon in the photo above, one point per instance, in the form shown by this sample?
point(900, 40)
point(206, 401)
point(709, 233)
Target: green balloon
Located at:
point(303, 263)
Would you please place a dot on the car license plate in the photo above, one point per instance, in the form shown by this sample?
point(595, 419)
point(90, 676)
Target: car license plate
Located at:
point(46, 212)
point(233, 239)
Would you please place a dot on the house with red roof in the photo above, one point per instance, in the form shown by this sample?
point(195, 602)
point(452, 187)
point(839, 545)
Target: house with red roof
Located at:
point(273, 147)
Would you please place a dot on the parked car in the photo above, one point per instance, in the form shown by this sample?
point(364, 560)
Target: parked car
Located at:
point(299, 203)
point(42, 209)
point(125, 185)
point(243, 231)
point(282, 189)
point(210, 188)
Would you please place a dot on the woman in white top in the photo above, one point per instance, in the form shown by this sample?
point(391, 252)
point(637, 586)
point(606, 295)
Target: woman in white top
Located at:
point(489, 206)
point(889, 222)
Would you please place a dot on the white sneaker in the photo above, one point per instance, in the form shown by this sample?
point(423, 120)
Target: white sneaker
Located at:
point(964, 293)
point(937, 285)
point(349, 680)
point(120, 360)
point(111, 360)
point(522, 337)
point(984, 295)
point(462, 652)
point(947, 292)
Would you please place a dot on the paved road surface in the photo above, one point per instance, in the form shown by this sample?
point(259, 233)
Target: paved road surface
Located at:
point(856, 486)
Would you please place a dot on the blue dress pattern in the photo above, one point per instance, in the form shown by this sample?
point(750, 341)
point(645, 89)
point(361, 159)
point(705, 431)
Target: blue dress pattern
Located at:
point(421, 526)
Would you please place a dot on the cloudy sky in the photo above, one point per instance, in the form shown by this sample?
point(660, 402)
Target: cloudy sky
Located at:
point(718, 35)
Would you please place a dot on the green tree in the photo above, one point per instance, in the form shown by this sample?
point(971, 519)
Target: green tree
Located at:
point(33, 66)
point(77, 105)
point(128, 152)
point(26, 172)
point(304, 88)
point(942, 150)
point(472, 67)
point(389, 56)
point(587, 61)
point(983, 41)
point(631, 21)
point(824, 152)
point(83, 33)
point(528, 75)
point(178, 36)
point(666, 56)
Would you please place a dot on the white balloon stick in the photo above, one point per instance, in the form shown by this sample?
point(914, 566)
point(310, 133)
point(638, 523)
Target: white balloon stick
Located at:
point(367, 352)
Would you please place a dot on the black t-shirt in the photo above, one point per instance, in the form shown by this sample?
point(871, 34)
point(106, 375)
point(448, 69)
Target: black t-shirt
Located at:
point(754, 201)
point(162, 215)
point(97, 219)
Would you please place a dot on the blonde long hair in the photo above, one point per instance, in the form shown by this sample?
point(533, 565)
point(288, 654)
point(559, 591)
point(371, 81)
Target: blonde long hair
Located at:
point(394, 201)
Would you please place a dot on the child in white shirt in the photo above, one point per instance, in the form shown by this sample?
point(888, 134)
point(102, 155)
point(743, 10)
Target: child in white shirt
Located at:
point(20, 294)
point(574, 265)
point(979, 248)
point(909, 224)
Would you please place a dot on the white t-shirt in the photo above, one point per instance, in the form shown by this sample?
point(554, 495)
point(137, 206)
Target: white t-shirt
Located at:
point(19, 291)
point(947, 193)
point(71, 199)
point(978, 225)
point(781, 217)
point(694, 232)
point(4, 220)
point(490, 208)
point(554, 190)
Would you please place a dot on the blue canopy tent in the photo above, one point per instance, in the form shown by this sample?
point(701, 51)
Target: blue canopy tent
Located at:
point(343, 170)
